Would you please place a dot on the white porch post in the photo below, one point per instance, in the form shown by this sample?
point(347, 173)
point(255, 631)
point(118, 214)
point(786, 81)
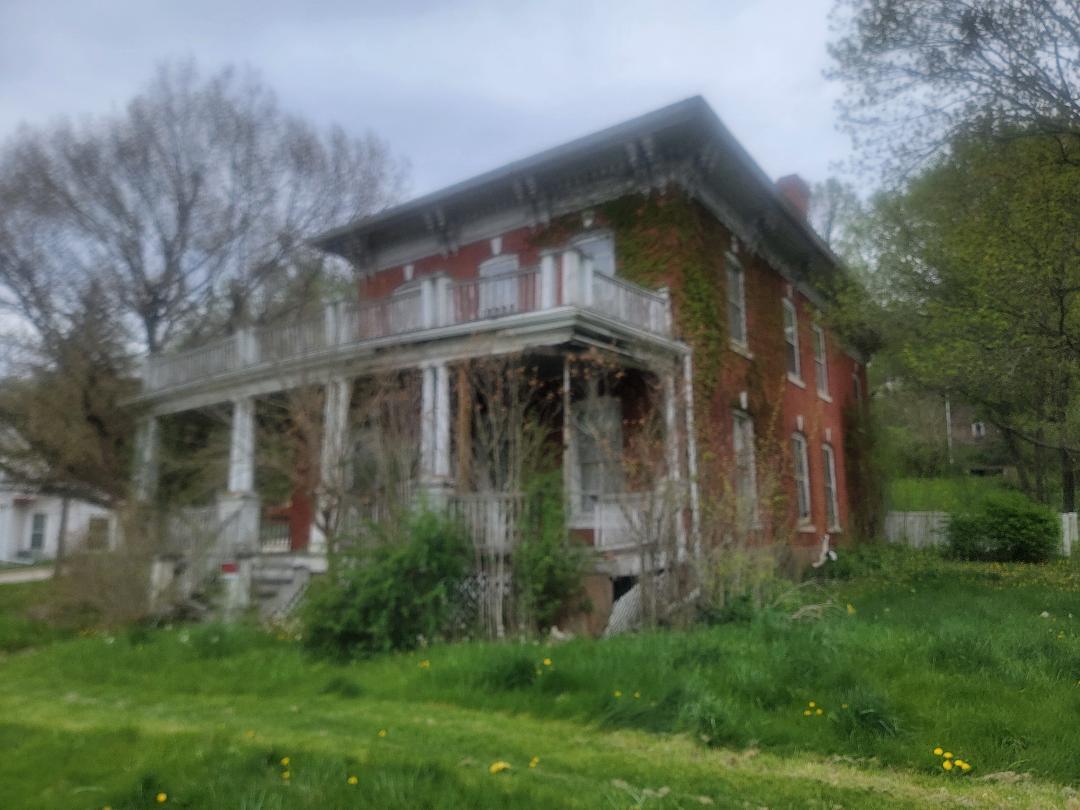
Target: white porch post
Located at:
point(242, 446)
point(332, 456)
point(673, 456)
point(238, 508)
point(691, 449)
point(435, 430)
point(571, 471)
point(548, 296)
point(147, 441)
point(571, 277)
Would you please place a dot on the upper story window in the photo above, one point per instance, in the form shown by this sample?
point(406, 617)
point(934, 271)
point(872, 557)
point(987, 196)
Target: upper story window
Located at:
point(600, 247)
point(821, 361)
point(791, 338)
point(736, 301)
point(801, 466)
point(832, 512)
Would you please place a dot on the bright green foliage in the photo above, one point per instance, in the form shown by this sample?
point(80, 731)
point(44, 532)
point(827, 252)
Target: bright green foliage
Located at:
point(548, 568)
point(391, 596)
point(980, 276)
point(1005, 527)
point(936, 652)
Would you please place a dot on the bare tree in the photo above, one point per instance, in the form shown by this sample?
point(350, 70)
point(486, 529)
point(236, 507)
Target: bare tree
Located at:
point(920, 73)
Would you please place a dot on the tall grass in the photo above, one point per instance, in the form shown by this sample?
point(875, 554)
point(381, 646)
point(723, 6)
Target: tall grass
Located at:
point(949, 494)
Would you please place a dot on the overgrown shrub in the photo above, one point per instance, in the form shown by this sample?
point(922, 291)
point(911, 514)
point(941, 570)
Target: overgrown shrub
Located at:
point(549, 570)
point(1005, 527)
point(392, 595)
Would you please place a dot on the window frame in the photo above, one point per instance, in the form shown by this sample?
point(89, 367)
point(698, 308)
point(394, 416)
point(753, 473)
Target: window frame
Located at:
point(37, 531)
point(734, 270)
point(745, 473)
point(791, 342)
point(821, 361)
point(832, 499)
point(800, 458)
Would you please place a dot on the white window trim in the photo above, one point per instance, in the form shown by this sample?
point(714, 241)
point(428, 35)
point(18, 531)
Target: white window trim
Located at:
point(803, 489)
point(733, 267)
point(740, 416)
point(794, 376)
point(821, 363)
point(832, 498)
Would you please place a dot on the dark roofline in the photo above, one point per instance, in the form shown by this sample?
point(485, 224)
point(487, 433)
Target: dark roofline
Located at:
point(686, 111)
point(671, 114)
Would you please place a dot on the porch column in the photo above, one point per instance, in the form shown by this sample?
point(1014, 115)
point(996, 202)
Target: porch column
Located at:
point(435, 429)
point(673, 456)
point(242, 446)
point(570, 453)
point(147, 443)
point(238, 508)
point(548, 297)
point(332, 457)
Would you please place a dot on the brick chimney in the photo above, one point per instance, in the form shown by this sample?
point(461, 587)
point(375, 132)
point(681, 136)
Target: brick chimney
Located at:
point(796, 191)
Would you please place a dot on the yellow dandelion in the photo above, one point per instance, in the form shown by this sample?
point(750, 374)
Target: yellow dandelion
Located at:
point(498, 767)
point(534, 762)
point(939, 751)
point(947, 755)
point(819, 711)
point(637, 695)
point(162, 798)
point(352, 780)
point(811, 704)
point(547, 662)
point(850, 609)
point(947, 765)
point(843, 705)
point(249, 734)
point(285, 761)
point(382, 732)
point(286, 775)
point(965, 766)
point(616, 694)
point(807, 712)
point(425, 664)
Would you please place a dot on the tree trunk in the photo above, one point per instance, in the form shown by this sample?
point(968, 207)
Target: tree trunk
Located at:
point(61, 534)
point(1068, 483)
point(1040, 469)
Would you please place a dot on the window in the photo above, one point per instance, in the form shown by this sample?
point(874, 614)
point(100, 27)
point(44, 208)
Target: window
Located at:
point(600, 445)
point(791, 338)
point(821, 361)
point(745, 466)
point(832, 512)
point(37, 532)
point(498, 288)
point(978, 430)
point(736, 301)
point(802, 475)
point(97, 533)
point(600, 247)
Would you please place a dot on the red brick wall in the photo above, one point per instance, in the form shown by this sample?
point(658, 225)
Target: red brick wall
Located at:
point(775, 403)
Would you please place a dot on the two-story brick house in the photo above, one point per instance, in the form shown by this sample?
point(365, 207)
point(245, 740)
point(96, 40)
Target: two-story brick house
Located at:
point(657, 244)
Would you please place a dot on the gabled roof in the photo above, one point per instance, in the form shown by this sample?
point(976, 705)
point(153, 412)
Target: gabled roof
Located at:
point(684, 143)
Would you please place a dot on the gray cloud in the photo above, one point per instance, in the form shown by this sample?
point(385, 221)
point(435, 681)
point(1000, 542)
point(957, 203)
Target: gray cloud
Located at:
point(456, 88)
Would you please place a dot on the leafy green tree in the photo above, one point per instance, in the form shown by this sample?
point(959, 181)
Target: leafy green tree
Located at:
point(980, 262)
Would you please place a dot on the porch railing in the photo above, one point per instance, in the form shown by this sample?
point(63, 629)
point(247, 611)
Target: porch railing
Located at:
point(434, 302)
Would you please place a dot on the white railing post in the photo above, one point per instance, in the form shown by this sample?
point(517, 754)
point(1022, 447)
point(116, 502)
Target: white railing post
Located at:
point(443, 311)
point(428, 311)
point(571, 277)
point(332, 323)
point(242, 446)
point(247, 347)
point(588, 268)
point(547, 280)
point(435, 429)
point(664, 325)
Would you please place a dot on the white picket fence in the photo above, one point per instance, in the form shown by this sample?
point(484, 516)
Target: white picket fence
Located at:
point(923, 529)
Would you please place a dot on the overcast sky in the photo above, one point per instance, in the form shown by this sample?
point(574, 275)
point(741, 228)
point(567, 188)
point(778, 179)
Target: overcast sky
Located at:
point(456, 88)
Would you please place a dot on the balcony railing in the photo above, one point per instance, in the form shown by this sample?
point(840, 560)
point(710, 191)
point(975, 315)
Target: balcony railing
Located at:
point(434, 302)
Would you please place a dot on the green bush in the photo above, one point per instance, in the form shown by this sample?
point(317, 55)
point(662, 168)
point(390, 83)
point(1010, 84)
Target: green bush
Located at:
point(392, 596)
point(548, 570)
point(1005, 527)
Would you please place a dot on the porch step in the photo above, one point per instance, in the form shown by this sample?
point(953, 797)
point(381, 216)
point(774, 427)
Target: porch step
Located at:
point(277, 586)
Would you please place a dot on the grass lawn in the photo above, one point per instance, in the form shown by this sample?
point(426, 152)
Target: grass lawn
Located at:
point(929, 653)
point(951, 494)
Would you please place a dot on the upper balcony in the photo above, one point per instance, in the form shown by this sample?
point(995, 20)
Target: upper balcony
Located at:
point(423, 310)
